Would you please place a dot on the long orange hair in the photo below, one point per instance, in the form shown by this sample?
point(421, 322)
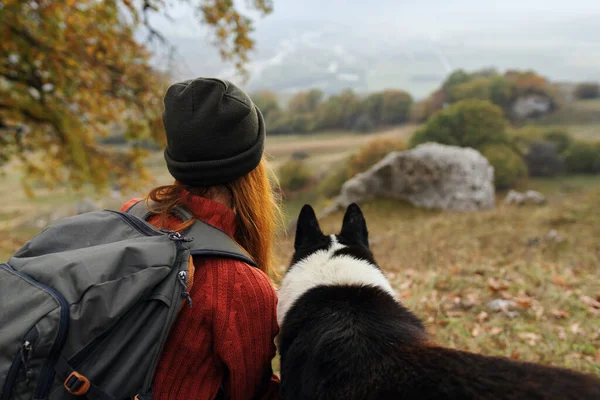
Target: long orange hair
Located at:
point(258, 214)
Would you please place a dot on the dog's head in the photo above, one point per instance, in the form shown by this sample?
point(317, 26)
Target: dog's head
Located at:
point(353, 238)
point(329, 260)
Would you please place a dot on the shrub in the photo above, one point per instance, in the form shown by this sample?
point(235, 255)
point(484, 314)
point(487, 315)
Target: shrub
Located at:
point(522, 138)
point(363, 124)
point(396, 107)
point(468, 123)
point(368, 155)
point(266, 101)
point(588, 90)
point(294, 175)
point(478, 88)
point(371, 153)
point(560, 138)
point(508, 165)
point(292, 123)
point(332, 184)
point(583, 158)
point(543, 159)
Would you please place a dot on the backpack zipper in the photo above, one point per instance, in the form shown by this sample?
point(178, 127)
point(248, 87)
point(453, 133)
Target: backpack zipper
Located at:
point(47, 375)
point(12, 376)
point(20, 362)
point(137, 224)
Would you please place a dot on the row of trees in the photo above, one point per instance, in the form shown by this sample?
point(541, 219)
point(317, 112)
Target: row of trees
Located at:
point(310, 111)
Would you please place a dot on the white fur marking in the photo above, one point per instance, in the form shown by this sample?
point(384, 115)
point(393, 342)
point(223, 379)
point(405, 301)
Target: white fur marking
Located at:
point(320, 269)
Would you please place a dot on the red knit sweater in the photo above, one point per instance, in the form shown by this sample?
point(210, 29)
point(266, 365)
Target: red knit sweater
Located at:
point(228, 335)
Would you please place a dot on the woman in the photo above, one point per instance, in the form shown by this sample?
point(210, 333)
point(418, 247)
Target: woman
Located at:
point(224, 344)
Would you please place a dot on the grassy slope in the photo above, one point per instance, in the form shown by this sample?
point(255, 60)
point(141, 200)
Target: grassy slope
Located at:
point(581, 118)
point(446, 267)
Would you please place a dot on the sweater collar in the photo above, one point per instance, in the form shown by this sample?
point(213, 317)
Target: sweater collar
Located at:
point(216, 214)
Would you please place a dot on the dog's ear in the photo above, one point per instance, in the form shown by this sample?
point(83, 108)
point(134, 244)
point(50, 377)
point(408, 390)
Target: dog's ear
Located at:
point(354, 228)
point(308, 228)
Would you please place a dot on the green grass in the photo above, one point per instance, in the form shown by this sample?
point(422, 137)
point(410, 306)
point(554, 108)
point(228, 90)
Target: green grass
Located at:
point(580, 112)
point(580, 118)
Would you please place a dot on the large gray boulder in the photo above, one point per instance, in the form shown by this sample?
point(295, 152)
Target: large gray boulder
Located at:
point(531, 106)
point(431, 175)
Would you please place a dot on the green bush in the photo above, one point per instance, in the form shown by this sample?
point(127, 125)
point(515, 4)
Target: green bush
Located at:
point(543, 159)
point(583, 158)
point(468, 123)
point(294, 175)
point(332, 184)
point(367, 156)
point(509, 167)
point(371, 153)
point(588, 90)
point(560, 138)
point(363, 124)
point(523, 137)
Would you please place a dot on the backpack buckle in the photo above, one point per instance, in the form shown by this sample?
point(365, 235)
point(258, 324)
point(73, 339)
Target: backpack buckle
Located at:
point(77, 384)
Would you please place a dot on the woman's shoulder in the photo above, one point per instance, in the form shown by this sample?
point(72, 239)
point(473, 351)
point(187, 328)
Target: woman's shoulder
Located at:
point(239, 279)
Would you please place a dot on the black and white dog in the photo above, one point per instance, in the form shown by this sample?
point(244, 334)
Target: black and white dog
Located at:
point(345, 335)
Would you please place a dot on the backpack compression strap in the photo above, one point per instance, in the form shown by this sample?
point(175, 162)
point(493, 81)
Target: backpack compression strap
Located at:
point(204, 239)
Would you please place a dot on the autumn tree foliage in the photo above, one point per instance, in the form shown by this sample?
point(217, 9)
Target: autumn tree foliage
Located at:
point(70, 70)
point(489, 85)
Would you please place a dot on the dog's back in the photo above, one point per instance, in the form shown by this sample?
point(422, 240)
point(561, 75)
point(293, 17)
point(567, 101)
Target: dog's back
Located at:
point(344, 335)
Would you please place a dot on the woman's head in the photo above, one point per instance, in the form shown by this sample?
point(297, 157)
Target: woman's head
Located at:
point(215, 144)
point(215, 133)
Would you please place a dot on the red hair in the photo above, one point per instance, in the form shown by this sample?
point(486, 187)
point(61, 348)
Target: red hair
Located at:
point(257, 211)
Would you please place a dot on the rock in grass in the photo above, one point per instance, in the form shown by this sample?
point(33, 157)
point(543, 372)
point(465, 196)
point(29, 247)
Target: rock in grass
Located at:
point(502, 305)
point(529, 197)
point(431, 175)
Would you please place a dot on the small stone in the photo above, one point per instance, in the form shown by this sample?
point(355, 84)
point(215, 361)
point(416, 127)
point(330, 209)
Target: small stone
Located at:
point(502, 305)
point(554, 236)
point(529, 197)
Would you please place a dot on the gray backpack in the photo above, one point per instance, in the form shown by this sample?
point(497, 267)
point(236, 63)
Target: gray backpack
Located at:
point(87, 304)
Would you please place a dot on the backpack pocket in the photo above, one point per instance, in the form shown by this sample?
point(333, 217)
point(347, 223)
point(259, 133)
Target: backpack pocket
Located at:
point(34, 323)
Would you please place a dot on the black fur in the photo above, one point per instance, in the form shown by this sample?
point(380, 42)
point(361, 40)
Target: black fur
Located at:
point(357, 342)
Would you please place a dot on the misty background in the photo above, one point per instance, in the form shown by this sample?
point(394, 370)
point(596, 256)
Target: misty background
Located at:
point(411, 45)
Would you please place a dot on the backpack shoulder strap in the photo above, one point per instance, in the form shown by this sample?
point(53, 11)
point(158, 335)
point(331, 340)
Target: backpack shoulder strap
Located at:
point(201, 238)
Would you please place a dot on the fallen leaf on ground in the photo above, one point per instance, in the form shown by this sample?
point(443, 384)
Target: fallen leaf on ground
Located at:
point(530, 337)
point(476, 331)
point(560, 314)
point(559, 280)
point(575, 328)
point(496, 285)
point(455, 314)
point(496, 330)
point(562, 333)
point(524, 301)
point(482, 316)
point(590, 302)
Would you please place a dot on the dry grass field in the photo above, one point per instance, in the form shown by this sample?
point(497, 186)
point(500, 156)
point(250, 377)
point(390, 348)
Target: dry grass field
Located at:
point(451, 269)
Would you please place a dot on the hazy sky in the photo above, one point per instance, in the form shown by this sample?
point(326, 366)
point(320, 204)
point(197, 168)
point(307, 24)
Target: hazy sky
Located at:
point(416, 16)
point(560, 38)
